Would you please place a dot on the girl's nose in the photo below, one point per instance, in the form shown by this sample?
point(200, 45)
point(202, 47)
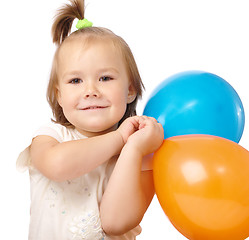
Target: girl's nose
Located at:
point(91, 91)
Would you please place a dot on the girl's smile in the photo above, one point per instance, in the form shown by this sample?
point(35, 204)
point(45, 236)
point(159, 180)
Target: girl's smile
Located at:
point(92, 108)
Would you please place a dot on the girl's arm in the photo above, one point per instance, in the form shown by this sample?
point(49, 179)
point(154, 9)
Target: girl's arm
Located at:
point(130, 191)
point(68, 160)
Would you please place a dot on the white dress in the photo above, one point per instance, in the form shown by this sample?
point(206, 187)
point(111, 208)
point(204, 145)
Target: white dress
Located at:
point(67, 210)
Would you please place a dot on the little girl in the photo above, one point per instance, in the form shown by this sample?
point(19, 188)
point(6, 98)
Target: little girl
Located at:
point(89, 178)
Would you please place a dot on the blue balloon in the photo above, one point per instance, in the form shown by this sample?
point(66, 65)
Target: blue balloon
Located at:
point(197, 102)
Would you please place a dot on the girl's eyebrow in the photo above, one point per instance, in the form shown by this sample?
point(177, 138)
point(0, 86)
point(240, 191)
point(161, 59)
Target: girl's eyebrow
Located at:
point(70, 73)
point(107, 69)
point(77, 73)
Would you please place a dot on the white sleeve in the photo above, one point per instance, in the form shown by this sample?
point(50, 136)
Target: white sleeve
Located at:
point(53, 130)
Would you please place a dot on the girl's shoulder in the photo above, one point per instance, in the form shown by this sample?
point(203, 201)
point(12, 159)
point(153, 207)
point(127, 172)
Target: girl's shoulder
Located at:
point(58, 132)
point(54, 130)
point(51, 129)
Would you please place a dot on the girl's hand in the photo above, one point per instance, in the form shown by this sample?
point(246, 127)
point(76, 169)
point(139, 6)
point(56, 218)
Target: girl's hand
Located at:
point(143, 133)
point(128, 127)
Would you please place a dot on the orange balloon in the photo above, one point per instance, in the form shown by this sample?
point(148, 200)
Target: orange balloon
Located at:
point(202, 184)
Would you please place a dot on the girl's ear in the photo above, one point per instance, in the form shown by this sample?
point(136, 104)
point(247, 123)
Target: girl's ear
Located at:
point(132, 94)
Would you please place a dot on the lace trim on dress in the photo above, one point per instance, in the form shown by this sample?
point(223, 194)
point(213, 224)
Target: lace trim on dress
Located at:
point(87, 226)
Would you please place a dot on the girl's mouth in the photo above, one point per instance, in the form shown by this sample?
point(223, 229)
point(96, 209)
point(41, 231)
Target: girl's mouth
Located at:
point(93, 107)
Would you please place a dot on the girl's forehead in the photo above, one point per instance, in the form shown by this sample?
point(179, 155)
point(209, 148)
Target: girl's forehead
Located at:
point(82, 43)
point(98, 53)
point(78, 46)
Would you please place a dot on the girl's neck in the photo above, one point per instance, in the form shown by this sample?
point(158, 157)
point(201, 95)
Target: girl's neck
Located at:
point(95, 134)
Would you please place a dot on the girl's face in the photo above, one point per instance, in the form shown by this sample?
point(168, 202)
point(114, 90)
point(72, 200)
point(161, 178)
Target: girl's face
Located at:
point(93, 86)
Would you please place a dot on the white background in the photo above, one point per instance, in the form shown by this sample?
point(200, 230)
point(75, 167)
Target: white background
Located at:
point(166, 37)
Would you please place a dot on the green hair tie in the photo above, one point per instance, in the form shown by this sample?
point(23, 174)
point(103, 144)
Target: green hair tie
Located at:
point(83, 23)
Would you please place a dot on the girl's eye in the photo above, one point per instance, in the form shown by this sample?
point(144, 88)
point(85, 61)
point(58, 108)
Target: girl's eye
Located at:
point(75, 81)
point(105, 78)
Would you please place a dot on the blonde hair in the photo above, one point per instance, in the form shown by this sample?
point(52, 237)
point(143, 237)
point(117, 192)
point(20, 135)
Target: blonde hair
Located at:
point(61, 31)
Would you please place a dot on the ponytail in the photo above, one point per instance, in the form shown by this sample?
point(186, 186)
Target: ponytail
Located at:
point(64, 19)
